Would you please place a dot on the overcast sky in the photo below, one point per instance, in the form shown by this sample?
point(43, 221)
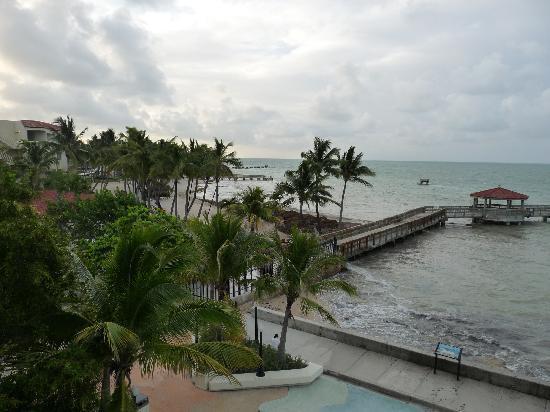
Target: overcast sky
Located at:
point(463, 80)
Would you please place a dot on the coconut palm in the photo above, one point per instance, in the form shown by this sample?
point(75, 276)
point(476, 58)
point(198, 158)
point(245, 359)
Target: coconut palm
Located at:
point(253, 205)
point(144, 315)
point(32, 159)
point(352, 170)
point(297, 187)
point(226, 250)
point(301, 265)
point(135, 160)
point(68, 140)
point(204, 156)
point(223, 159)
point(323, 161)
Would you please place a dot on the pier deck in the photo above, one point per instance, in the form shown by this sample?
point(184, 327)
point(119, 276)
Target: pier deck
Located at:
point(356, 240)
point(494, 213)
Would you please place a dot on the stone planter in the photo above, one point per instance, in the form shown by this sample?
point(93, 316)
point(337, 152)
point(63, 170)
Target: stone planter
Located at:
point(272, 379)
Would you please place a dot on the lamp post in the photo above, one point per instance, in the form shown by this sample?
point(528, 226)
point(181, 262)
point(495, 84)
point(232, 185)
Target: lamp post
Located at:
point(256, 324)
point(260, 372)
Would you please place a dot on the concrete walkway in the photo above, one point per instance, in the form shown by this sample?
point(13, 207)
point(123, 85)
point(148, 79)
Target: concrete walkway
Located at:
point(401, 379)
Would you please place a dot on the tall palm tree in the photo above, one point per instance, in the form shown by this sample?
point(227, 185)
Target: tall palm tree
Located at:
point(135, 159)
point(297, 186)
point(32, 159)
point(68, 140)
point(144, 315)
point(253, 205)
point(206, 158)
point(223, 158)
point(99, 151)
point(226, 250)
point(352, 170)
point(323, 161)
point(301, 270)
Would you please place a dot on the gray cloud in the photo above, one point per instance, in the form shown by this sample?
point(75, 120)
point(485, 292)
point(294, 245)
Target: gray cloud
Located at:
point(400, 80)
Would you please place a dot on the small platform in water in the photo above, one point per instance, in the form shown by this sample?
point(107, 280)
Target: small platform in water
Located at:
point(424, 181)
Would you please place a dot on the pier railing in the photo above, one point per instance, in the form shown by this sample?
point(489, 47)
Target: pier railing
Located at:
point(469, 212)
point(365, 227)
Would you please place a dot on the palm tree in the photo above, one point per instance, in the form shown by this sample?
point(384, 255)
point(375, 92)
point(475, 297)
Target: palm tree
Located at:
point(223, 159)
point(301, 266)
point(323, 161)
point(165, 158)
point(253, 205)
point(297, 186)
point(68, 140)
point(135, 160)
point(205, 157)
point(226, 250)
point(33, 159)
point(144, 315)
point(351, 170)
point(99, 154)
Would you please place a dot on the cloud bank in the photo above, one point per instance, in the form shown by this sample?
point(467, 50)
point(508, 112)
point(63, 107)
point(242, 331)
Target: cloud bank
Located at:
point(404, 80)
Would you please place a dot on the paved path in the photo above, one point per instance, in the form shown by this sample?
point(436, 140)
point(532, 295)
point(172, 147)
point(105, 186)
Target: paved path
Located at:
point(399, 378)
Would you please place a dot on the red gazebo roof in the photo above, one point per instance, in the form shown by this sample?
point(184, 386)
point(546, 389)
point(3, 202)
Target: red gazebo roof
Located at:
point(500, 193)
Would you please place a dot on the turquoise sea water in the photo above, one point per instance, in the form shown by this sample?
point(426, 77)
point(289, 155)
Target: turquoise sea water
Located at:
point(485, 288)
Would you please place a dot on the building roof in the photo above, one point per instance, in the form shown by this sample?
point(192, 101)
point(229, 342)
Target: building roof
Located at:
point(40, 203)
point(36, 124)
point(499, 193)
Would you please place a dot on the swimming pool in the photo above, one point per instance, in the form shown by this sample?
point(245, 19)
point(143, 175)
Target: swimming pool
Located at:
point(329, 394)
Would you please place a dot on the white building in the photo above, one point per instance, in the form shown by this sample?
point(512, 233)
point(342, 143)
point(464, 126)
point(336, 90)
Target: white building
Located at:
point(13, 131)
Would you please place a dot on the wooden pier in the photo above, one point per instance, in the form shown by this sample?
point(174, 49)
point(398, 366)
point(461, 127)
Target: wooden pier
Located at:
point(356, 240)
point(236, 177)
point(494, 214)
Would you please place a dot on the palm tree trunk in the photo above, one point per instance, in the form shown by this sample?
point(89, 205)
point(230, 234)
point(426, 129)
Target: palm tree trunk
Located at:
point(187, 197)
point(217, 194)
point(176, 196)
point(342, 203)
point(282, 343)
point(196, 184)
point(105, 388)
point(318, 217)
point(203, 196)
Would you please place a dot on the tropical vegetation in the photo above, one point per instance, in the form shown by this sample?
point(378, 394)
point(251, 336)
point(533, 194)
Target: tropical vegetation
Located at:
point(99, 288)
point(301, 267)
point(252, 204)
point(352, 169)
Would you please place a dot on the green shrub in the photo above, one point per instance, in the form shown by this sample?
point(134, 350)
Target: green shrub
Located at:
point(67, 182)
point(270, 359)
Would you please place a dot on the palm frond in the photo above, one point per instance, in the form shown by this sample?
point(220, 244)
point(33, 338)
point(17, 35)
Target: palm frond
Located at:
point(117, 337)
point(332, 285)
point(213, 358)
point(307, 305)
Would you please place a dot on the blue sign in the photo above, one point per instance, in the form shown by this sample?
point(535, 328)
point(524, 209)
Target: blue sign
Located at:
point(448, 351)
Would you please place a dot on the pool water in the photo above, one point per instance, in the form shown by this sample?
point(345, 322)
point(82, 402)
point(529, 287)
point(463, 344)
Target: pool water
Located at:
point(328, 394)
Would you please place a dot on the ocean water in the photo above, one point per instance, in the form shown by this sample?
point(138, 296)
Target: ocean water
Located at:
point(483, 287)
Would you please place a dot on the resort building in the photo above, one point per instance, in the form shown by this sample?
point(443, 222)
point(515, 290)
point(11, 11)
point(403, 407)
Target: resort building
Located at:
point(13, 131)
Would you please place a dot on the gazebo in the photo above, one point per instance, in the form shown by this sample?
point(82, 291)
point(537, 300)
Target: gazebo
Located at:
point(500, 212)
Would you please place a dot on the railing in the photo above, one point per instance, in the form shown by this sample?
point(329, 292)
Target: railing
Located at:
point(236, 287)
point(375, 238)
point(480, 211)
point(366, 227)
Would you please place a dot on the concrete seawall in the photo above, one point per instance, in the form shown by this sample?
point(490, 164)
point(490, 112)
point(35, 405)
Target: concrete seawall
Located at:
point(482, 373)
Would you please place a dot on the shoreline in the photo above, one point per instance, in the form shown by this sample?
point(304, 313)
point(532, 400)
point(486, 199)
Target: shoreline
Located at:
point(276, 303)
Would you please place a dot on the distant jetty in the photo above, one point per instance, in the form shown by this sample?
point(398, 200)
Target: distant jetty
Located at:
point(252, 167)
